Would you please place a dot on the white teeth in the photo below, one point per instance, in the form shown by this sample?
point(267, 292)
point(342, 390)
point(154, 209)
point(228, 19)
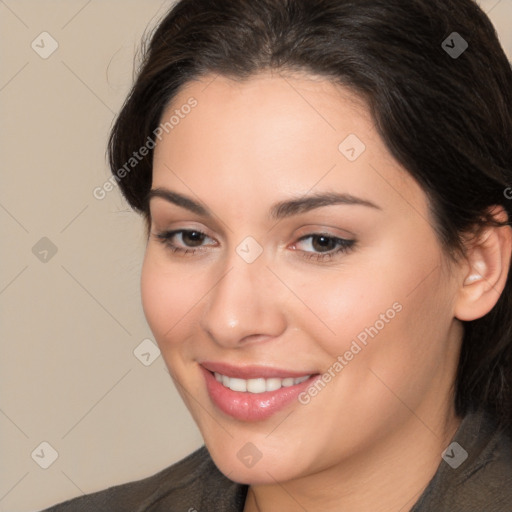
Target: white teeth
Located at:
point(273, 384)
point(259, 385)
point(236, 384)
point(256, 385)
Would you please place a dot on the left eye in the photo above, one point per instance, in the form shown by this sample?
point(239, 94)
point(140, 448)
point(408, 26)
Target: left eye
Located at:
point(328, 245)
point(324, 242)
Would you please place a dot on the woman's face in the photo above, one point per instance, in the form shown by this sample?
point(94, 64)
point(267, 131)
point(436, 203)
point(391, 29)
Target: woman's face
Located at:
point(353, 293)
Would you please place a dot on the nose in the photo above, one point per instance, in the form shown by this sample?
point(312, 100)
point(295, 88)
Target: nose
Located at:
point(245, 305)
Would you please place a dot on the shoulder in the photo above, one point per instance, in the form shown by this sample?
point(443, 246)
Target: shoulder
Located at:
point(478, 476)
point(192, 483)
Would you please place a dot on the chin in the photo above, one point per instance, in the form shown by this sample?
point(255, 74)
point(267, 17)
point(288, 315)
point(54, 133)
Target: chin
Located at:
point(247, 465)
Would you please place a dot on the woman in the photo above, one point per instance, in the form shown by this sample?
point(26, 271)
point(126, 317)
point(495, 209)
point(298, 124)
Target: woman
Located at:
point(326, 189)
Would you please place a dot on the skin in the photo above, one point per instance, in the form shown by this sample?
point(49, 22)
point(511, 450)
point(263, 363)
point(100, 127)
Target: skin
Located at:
point(372, 438)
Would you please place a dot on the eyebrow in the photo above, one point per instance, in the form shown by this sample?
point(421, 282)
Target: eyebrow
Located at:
point(280, 210)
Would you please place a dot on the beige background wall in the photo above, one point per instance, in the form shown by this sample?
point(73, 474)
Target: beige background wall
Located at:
point(71, 316)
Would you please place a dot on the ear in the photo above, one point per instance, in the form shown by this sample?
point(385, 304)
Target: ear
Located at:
point(484, 274)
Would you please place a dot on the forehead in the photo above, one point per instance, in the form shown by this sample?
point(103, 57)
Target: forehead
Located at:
point(267, 102)
point(275, 132)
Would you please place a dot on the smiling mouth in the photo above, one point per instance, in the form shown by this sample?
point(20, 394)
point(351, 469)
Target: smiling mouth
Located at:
point(258, 385)
point(253, 393)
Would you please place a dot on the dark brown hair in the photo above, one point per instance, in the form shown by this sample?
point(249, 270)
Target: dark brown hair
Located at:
point(446, 118)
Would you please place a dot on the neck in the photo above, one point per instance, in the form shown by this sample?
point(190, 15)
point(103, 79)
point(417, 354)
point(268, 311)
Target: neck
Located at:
point(390, 476)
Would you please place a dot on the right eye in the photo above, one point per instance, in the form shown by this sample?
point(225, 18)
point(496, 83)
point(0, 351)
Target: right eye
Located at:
point(193, 236)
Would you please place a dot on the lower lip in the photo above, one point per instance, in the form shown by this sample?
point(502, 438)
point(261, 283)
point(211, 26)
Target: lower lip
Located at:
point(247, 406)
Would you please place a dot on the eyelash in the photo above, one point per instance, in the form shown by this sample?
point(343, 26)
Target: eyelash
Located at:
point(345, 245)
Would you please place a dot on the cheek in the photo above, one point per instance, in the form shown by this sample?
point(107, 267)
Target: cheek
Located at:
point(167, 297)
point(353, 303)
point(391, 340)
point(392, 311)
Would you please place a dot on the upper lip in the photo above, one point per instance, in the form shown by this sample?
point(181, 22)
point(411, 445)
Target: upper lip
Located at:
point(252, 371)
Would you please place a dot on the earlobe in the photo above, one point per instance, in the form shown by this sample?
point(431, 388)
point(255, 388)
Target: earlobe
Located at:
point(485, 274)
